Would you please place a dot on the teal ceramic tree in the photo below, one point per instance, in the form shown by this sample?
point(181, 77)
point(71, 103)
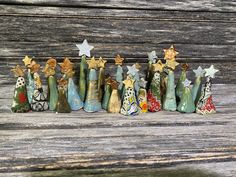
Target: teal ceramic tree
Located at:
point(197, 86)
point(186, 104)
point(169, 102)
point(180, 87)
point(84, 51)
point(152, 57)
point(119, 73)
point(101, 77)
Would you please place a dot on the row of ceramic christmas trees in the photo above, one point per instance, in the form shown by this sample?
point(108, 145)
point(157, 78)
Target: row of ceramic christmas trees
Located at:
point(128, 96)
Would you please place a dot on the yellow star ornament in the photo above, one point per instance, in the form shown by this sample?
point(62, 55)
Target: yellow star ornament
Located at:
point(92, 64)
point(170, 53)
point(119, 60)
point(18, 71)
point(66, 65)
point(27, 60)
point(158, 67)
point(171, 64)
point(101, 62)
point(129, 83)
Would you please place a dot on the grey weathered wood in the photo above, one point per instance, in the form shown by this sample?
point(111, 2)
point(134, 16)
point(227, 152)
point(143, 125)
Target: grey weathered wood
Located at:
point(227, 5)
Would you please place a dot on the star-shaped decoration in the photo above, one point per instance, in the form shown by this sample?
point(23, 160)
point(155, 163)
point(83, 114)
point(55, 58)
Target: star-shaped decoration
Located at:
point(199, 72)
point(185, 66)
point(92, 64)
point(27, 60)
point(18, 71)
point(114, 84)
point(143, 83)
point(129, 83)
point(66, 65)
point(152, 56)
point(137, 66)
point(34, 67)
point(170, 53)
point(171, 64)
point(101, 62)
point(62, 82)
point(211, 71)
point(158, 67)
point(119, 60)
point(52, 63)
point(132, 70)
point(186, 83)
point(84, 48)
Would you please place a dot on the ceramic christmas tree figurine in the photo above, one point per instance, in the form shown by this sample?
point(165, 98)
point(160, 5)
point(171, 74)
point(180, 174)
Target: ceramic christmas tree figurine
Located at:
point(186, 104)
point(154, 92)
point(133, 73)
point(107, 93)
point(197, 86)
point(49, 71)
point(39, 101)
point(205, 104)
point(62, 103)
point(137, 78)
point(73, 97)
point(20, 101)
point(142, 96)
point(30, 80)
point(114, 104)
point(169, 102)
point(152, 57)
point(92, 103)
point(180, 86)
point(129, 105)
point(101, 77)
point(84, 51)
point(119, 73)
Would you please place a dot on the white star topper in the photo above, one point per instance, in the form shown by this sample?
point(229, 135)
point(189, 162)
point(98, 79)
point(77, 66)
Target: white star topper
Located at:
point(199, 71)
point(152, 56)
point(132, 70)
point(186, 83)
point(84, 48)
point(211, 71)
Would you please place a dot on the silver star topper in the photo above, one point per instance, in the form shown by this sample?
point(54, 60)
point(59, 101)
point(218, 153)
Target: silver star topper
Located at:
point(186, 83)
point(84, 48)
point(143, 83)
point(152, 56)
point(211, 71)
point(132, 70)
point(199, 71)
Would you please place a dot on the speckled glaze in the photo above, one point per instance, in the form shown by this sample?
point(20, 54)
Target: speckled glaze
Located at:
point(186, 104)
point(62, 104)
point(52, 92)
point(30, 86)
point(179, 87)
point(82, 78)
point(114, 104)
point(106, 97)
point(196, 89)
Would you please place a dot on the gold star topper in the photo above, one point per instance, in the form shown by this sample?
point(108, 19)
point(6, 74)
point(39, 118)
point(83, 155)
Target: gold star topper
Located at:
point(185, 66)
point(171, 64)
point(52, 63)
point(62, 82)
point(92, 64)
point(66, 65)
point(34, 67)
point(27, 60)
point(119, 60)
point(170, 53)
point(137, 66)
point(158, 67)
point(18, 71)
point(101, 62)
point(129, 82)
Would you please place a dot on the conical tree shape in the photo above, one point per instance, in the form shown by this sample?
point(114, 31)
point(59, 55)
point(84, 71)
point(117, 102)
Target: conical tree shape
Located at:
point(186, 104)
point(30, 86)
point(82, 78)
point(101, 79)
point(106, 97)
point(52, 92)
point(169, 103)
point(179, 87)
point(62, 104)
point(154, 94)
point(114, 104)
point(73, 97)
point(20, 101)
point(119, 78)
point(92, 103)
point(196, 89)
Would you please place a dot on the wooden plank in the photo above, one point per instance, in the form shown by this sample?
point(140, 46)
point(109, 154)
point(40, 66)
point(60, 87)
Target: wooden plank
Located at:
point(225, 6)
point(36, 29)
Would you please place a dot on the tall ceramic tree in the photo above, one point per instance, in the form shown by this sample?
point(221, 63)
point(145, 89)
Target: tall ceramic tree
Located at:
point(92, 103)
point(101, 77)
point(49, 71)
point(186, 104)
point(119, 73)
point(197, 86)
point(30, 80)
point(107, 93)
point(154, 92)
point(205, 104)
point(180, 86)
point(152, 57)
point(169, 102)
point(20, 101)
point(84, 52)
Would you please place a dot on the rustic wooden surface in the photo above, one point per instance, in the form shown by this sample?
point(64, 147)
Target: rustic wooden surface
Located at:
point(204, 32)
